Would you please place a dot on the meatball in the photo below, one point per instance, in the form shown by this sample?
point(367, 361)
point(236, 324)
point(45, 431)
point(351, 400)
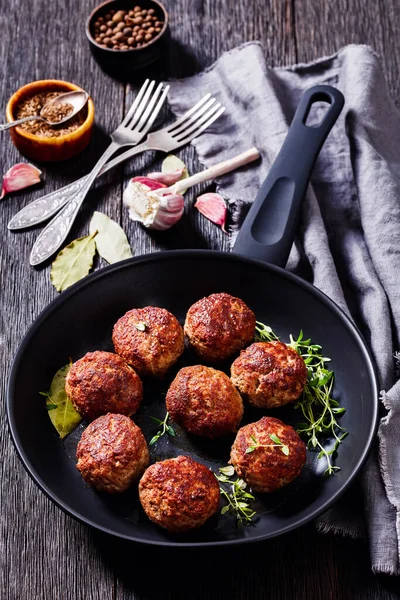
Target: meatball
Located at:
point(218, 326)
point(102, 382)
point(269, 374)
point(150, 339)
point(204, 401)
point(268, 454)
point(112, 453)
point(179, 493)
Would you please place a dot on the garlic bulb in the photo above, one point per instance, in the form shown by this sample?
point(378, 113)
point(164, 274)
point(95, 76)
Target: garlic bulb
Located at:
point(157, 206)
point(152, 210)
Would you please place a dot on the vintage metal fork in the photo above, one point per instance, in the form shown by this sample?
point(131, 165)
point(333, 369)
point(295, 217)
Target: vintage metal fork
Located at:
point(132, 129)
point(199, 117)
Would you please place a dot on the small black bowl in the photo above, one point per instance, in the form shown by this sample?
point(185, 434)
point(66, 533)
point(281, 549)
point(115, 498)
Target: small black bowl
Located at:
point(126, 61)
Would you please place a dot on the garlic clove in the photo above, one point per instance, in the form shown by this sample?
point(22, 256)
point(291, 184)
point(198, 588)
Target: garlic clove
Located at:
point(152, 184)
point(167, 178)
point(213, 206)
point(20, 176)
point(169, 212)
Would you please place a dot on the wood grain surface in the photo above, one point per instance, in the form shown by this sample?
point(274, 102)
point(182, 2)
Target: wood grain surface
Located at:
point(45, 554)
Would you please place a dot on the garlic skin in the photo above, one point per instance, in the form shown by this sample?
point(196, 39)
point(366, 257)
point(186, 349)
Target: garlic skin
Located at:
point(151, 184)
point(166, 178)
point(169, 212)
point(20, 176)
point(153, 210)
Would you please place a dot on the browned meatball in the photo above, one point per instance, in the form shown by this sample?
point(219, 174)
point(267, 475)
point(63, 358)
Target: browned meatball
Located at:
point(269, 374)
point(268, 463)
point(150, 339)
point(219, 325)
point(179, 493)
point(102, 382)
point(112, 453)
point(204, 401)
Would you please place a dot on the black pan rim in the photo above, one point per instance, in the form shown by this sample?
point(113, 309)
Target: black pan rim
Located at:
point(178, 254)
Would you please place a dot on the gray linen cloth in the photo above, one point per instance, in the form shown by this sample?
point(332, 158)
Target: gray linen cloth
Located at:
point(348, 241)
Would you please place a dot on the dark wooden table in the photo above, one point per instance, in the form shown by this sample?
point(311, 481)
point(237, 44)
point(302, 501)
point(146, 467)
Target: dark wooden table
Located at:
point(45, 554)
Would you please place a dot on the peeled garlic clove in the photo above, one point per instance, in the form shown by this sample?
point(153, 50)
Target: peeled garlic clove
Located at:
point(20, 176)
point(150, 183)
point(167, 178)
point(213, 207)
point(169, 212)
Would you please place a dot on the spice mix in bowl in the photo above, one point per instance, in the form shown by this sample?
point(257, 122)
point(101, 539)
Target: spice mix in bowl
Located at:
point(42, 142)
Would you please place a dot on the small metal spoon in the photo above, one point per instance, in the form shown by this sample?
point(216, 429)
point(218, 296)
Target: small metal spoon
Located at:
point(77, 99)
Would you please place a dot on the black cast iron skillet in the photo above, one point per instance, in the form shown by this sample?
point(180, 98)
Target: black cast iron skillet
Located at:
point(81, 320)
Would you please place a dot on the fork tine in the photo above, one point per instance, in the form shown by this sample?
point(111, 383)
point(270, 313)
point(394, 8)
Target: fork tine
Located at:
point(136, 102)
point(150, 105)
point(141, 107)
point(187, 131)
point(151, 113)
point(188, 137)
point(183, 121)
point(175, 129)
point(189, 112)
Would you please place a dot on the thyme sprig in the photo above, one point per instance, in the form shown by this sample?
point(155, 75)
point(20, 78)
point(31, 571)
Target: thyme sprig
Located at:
point(319, 409)
point(165, 428)
point(274, 438)
point(265, 333)
point(238, 499)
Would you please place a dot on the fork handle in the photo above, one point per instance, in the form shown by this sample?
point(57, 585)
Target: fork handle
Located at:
point(46, 206)
point(54, 234)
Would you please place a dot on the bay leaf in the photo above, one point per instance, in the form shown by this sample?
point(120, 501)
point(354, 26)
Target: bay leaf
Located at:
point(172, 163)
point(73, 262)
point(60, 408)
point(111, 241)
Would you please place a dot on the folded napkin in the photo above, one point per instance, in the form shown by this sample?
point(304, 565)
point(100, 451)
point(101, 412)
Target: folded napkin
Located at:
point(348, 240)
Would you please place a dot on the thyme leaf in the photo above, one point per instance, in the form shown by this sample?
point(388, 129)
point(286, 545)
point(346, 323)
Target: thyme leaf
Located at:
point(274, 438)
point(265, 333)
point(237, 498)
point(165, 428)
point(319, 409)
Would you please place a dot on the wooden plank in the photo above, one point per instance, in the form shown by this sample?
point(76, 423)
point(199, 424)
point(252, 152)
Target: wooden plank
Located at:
point(322, 28)
point(44, 553)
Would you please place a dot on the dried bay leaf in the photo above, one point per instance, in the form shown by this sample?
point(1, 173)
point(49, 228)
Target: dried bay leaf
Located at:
point(111, 241)
point(60, 408)
point(73, 262)
point(172, 163)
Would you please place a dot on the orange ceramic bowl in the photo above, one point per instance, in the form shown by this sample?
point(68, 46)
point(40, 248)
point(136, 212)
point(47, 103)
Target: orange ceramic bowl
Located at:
point(49, 149)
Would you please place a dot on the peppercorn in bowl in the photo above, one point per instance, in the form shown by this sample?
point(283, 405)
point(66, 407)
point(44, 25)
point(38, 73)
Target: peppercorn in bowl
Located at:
point(126, 35)
point(37, 140)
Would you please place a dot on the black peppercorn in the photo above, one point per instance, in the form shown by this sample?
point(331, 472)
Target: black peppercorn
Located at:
point(127, 29)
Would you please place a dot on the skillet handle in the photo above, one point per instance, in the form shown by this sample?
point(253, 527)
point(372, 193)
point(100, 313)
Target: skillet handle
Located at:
point(268, 230)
